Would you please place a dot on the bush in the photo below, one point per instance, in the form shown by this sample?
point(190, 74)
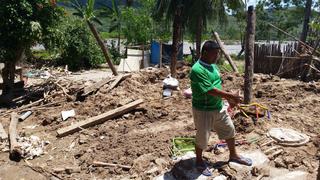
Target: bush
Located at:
point(114, 53)
point(81, 50)
point(76, 45)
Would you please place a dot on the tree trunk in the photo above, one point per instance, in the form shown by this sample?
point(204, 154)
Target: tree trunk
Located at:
point(198, 37)
point(249, 54)
point(8, 73)
point(175, 41)
point(305, 27)
point(102, 46)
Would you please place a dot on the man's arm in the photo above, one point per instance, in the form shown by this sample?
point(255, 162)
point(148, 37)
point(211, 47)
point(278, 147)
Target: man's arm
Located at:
point(231, 98)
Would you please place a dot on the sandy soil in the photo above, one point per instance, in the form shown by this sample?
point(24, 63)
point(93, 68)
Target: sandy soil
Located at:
point(142, 138)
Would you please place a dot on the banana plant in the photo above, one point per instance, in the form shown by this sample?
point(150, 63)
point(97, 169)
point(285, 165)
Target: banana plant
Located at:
point(87, 14)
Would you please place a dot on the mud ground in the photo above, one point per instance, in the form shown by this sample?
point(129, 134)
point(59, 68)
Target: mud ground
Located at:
point(142, 138)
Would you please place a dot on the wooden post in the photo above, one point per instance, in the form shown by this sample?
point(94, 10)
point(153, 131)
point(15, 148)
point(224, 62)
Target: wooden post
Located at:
point(249, 54)
point(15, 150)
point(234, 67)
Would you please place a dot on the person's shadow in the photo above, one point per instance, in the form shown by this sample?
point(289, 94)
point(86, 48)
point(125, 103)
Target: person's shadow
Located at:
point(186, 170)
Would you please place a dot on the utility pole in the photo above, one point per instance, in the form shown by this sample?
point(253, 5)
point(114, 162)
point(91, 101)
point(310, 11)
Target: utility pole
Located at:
point(249, 54)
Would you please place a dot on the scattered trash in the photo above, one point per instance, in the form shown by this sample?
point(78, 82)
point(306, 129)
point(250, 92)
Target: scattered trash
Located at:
point(67, 114)
point(171, 83)
point(32, 146)
point(25, 115)
point(45, 75)
point(167, 92)
point(187, 93)
point(288, 137)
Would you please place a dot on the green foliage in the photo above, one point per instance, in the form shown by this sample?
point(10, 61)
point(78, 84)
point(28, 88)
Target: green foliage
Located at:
point(24, 22)
point(114, 52)
point(79, 48)
point(137, 25)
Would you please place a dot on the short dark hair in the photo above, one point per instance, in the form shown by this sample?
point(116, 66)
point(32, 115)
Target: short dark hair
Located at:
point(208, 46)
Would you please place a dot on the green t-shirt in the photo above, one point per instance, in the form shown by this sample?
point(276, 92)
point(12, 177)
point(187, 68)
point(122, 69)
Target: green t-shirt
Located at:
point(205, 77)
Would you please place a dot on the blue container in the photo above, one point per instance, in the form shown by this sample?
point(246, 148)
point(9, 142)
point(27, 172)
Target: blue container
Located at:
point(155, 52)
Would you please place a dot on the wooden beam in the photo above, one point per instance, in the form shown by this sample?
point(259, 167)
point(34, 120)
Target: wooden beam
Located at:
point(99, 84)
point(115, 82)
point(249, 54)
point(98, 119)
point(228, 57)
point(3, 133)
point(15, 149)
point(98, 163)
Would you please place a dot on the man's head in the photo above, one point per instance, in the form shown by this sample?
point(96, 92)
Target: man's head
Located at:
point(210, 52)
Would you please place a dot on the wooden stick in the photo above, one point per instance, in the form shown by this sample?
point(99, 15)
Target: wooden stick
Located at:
point(64, 91)
point(275, 153)
point(98, 163)
point(99, 84)
point(3, 133)
point(15, 151)
point(234, 67)
point(271, 149)
point(98, 119)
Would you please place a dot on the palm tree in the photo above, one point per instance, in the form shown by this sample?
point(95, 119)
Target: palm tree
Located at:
point(202, 11)
point(87, 14)
point(114, 13)
point(305, 28)
point(175, 11)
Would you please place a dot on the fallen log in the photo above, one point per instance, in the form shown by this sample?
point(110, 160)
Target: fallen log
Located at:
point(15, 150)
point(99, 84)
point(234, 67)
point(98, 163)
point(3, 133)
point(98, 119)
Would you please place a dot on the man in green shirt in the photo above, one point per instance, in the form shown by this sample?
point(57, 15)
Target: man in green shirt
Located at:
point(207, 106)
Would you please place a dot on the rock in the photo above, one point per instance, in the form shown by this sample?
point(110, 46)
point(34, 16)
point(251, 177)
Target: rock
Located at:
point(142, 162)
point(83, 139)
point(161, 162)
point(279, 163)
point(218, 151)
point(289, 160)
point(230, 77)
point(259, 94)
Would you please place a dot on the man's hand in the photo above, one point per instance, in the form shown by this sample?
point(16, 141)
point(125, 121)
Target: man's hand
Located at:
point(234, 99)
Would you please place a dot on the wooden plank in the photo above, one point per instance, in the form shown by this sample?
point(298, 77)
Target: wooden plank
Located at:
point(15, 150)
point(115, 82)
point(99, 84)
point(98, 119)
point(3, 133)
point(234, 67)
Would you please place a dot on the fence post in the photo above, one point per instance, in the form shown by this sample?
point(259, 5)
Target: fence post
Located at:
point(249, 54)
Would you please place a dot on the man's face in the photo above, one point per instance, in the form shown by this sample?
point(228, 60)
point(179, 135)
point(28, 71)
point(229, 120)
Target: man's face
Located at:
point(213, 56)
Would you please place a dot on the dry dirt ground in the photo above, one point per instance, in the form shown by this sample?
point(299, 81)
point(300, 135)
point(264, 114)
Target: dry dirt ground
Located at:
point(142, 138)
